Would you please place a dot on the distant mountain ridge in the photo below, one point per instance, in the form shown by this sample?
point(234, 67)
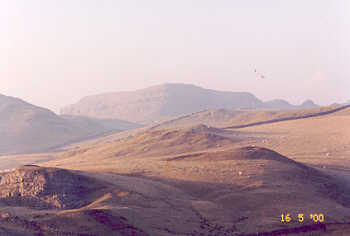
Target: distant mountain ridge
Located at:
point(165, 101)
point(159, 103)
point(26, 128)
point(283, 104)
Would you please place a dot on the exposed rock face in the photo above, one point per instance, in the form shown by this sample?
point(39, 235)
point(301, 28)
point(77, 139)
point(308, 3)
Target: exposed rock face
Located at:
point(45, 188)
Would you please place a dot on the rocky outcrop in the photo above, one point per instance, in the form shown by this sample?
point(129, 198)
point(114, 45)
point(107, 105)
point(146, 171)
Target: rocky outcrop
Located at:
point(46, 188)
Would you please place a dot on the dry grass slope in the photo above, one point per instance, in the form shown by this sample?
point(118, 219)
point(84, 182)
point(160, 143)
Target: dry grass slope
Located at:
point(202, 180)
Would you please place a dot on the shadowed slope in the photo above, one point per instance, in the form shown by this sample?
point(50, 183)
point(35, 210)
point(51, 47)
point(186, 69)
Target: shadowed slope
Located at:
point(248, 187)
point(262, 184)
point(92, 222)
point(160, 142)
point(25, 128)
point(45, 188)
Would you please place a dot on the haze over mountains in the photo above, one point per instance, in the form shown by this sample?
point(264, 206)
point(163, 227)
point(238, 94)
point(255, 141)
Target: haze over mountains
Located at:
point(228, 176)
point(178, 177)
point(168, 100)
point(283, 104)
point(26, 128)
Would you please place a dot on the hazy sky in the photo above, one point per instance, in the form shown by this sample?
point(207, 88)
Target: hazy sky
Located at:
point(53, 52)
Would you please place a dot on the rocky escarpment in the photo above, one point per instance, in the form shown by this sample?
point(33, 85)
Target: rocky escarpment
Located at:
point(46, 188)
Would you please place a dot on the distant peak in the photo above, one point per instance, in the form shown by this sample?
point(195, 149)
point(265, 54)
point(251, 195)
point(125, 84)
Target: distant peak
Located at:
point(170, 86)
point(308, 101)
point(278, 101)
point(177, 85)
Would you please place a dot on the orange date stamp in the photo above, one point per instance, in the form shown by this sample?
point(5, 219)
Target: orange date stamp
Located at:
point(300, 217)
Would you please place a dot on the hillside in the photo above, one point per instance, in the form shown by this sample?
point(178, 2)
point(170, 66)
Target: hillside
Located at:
point(224, 119)
point(50, 201)
point(159, 102)
point(236, 190)
point(265, 117)
point(201, 180)
point(162, 102)
point(212, 117)
point(239, 118)
point(189, 178)
point(26, 128)
point(100, 124)
point(282, 104)
point(321, 140)
point(46, 188)
point(158, 143)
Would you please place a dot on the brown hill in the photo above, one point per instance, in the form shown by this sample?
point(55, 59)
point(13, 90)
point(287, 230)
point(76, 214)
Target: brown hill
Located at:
point(161, 142)
point(42, 195)
point(27, 128)
point(264, 184)
point(219, 118)
point(265, 117)
point(45, 188)
point(223, 190)
point(243, 153)
point(320, 140)
point(159, 102)
point(212, 117)
point(165, 101)
point(244, 189)
point(281, 104)
point(240, 118)
point(100, 125)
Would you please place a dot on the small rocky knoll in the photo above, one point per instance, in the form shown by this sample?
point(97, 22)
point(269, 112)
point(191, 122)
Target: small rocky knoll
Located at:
point(46, 188)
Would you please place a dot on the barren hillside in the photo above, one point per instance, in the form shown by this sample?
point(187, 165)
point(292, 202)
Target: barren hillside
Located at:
point(239, 118)
point(282, 104)
point(241, 189)
point(200, 180)
point(159, 143)
point(322, 140)
point(159, 103)
point(26, 128)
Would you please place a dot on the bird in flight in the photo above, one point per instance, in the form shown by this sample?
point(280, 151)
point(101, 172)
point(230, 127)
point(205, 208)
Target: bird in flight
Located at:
point(261, 76)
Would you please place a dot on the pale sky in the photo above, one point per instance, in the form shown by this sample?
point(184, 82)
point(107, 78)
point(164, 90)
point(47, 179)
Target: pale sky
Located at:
point(54, 52)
